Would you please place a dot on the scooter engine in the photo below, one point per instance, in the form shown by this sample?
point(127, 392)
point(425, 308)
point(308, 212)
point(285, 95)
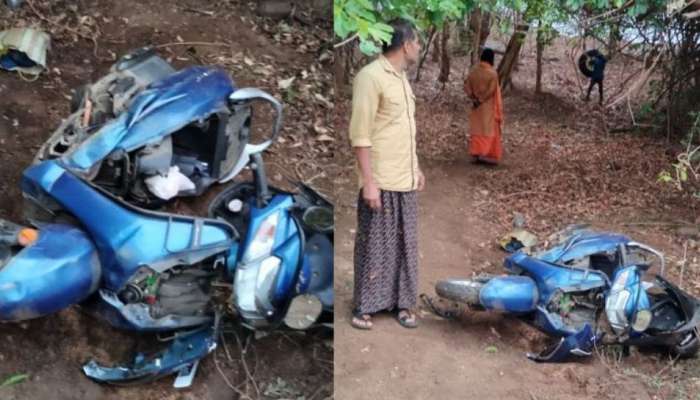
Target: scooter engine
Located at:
point(184, 292)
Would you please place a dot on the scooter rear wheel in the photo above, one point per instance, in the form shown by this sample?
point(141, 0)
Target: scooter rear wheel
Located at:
point(461, 290)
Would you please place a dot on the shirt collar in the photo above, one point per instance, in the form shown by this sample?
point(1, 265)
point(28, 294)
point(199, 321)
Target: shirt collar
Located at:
point(388, 67)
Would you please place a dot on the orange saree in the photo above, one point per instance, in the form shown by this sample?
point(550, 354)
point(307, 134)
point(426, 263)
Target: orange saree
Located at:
point(486, 119)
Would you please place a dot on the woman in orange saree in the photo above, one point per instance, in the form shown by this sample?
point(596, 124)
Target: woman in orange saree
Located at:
point(486, 115)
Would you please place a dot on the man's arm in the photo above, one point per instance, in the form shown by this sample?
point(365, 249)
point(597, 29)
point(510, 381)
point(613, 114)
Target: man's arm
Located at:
point(370, 191)
point(365, 102)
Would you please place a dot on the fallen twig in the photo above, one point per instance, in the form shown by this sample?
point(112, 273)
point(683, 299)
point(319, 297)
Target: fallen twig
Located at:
point(41, 16)
point(228, 383)
point(192, 44)
point(685, 261)
point(197, 11)
point(249, 376)
point(346, 41)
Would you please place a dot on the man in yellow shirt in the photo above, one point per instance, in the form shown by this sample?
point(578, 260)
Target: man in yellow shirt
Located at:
point(383, 135)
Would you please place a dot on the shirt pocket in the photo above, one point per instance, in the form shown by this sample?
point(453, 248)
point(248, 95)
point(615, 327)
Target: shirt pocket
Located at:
point(394, 104)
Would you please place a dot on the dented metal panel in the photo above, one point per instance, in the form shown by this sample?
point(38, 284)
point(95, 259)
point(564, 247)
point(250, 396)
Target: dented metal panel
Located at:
point(59, 269)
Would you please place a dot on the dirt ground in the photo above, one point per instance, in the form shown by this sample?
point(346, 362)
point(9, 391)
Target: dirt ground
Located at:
point(260, 52)
point(560, 167)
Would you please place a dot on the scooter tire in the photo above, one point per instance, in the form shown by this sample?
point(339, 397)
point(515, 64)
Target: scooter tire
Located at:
point(460, 290)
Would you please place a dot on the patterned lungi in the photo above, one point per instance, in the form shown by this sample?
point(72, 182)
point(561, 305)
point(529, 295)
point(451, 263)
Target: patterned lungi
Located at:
point(386, 253)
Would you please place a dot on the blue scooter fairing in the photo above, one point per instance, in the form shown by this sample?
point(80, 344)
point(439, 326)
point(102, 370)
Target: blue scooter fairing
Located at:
point(128, 238)
point(263, 282)
point(61, 268)
point(164, 107)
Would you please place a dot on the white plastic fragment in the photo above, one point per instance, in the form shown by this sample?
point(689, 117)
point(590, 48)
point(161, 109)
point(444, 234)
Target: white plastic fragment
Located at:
point(168, 186)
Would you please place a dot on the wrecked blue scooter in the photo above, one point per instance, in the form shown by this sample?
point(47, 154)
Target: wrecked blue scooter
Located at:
point(138, 138)
point(586, 289)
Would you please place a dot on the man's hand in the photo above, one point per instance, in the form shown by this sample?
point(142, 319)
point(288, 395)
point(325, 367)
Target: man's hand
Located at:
point(421, 180)
point(371, 195)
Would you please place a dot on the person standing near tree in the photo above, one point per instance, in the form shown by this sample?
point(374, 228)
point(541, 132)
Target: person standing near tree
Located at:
point(598, 62)
point(486, 114)
point(383, 135)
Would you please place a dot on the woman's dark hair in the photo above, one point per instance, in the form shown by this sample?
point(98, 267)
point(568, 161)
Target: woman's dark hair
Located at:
point(403, 32)
point(487, 55)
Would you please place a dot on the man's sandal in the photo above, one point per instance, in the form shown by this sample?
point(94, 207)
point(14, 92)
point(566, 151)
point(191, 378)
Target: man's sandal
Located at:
point(363, 321)
point(407, 319)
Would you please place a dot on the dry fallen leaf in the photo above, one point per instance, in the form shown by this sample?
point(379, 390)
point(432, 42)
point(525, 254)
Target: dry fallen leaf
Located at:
point(284, 84)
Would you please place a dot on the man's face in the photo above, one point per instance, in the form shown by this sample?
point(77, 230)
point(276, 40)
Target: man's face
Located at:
point(411, 49)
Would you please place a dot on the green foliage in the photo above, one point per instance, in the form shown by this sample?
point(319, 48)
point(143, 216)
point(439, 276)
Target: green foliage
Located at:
point(367, 18)
point(685, 173)
point(14, 380)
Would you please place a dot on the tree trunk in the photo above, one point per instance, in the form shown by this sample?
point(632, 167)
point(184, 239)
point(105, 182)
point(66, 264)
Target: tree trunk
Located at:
point(476, 28)
point(540, 50)
point(341, 71)
point(613, 39)
point(436, 51)
point(480, 24)
point(425, 53)
point(505, 67)
point(445, 56)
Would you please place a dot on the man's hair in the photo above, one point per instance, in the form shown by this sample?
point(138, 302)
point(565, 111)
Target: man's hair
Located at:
point(404, 31)
point(487, 55)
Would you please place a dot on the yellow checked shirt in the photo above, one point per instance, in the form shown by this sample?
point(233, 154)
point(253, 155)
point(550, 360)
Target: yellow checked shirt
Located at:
point(383, 108)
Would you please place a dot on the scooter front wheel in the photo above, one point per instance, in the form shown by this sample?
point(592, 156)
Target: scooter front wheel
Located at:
point(461, 290)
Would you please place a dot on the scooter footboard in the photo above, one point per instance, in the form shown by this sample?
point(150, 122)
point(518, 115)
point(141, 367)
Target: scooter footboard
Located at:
point(61, 267)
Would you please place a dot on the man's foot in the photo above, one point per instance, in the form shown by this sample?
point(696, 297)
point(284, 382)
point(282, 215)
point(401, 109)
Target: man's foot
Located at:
point(407, 319)
point(363, 321)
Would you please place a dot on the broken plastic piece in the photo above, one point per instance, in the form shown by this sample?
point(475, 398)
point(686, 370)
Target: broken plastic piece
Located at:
point(518, 239)
point(24, 50)
point(579, 344)
point(168, 186)
point(183, 354)
point(186, 376)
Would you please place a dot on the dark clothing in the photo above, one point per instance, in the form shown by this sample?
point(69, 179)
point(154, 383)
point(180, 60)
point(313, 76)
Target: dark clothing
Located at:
point(598, 68)
point(386, 253)
point(600, 90)
point(597, 76)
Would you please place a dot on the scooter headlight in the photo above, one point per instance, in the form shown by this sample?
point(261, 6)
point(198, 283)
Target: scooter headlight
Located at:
point(642, 320)
point(264, 239)
point(269, 268)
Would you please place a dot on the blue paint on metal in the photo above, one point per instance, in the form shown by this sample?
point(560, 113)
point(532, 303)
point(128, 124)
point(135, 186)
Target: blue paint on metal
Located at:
point(509, 293)
point(125, 236)
point(59, 269)
point(550, 277)
point(638, 300)
point(162, 108)
point(581, 244)
point(183, 351)
point(316, 275)
point(579, 343)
